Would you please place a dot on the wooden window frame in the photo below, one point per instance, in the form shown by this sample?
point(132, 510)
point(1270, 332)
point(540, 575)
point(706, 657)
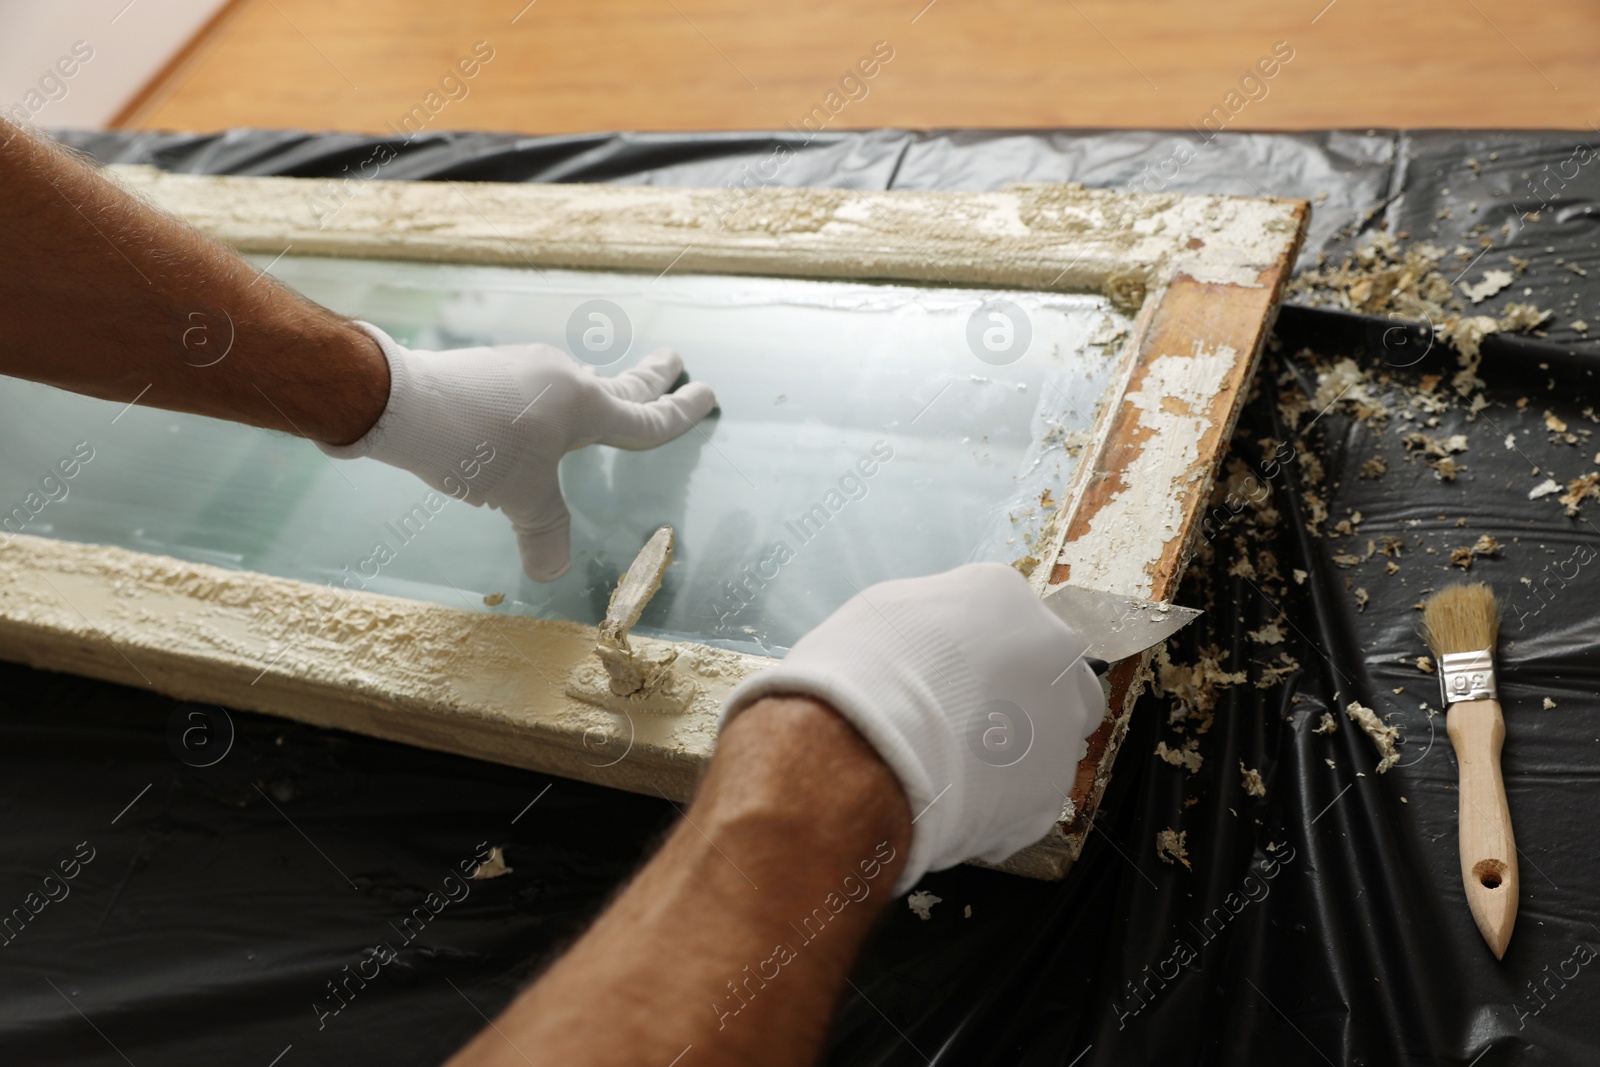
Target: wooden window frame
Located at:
point(1201, 276)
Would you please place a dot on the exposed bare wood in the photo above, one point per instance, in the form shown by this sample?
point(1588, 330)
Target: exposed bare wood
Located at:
point(1163, 441)
point(1186, 432)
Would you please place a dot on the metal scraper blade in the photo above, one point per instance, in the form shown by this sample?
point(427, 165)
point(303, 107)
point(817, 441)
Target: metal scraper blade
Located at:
point(1116, 626)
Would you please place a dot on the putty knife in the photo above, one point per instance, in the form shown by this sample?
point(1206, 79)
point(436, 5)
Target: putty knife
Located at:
point(1116, 626)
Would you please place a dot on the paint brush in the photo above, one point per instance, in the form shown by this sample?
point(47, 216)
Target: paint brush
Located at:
point(1460, 624)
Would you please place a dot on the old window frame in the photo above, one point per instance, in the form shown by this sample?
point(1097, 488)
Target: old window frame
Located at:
point(1201, 274)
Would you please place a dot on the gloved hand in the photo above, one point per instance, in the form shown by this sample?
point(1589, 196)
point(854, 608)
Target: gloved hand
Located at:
point(490, 425)
point(973, 692)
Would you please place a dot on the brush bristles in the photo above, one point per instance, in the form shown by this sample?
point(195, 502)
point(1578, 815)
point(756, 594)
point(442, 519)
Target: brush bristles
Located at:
point(1461, 618)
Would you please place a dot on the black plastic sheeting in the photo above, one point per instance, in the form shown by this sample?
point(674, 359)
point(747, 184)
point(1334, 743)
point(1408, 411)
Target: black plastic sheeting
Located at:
point(1323, 923)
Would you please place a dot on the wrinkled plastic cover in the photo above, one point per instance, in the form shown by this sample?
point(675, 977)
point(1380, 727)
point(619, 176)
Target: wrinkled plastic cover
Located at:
point(1321, 923)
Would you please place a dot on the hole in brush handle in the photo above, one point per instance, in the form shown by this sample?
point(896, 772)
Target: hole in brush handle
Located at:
point(1491, 874)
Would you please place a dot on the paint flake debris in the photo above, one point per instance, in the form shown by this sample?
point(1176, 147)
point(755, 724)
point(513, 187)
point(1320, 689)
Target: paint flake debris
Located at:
point(1171, 847)
point(1383, 735)
point(1188, 757)
point(1349, 559)
point(1522, 318)
point(1277, 672)
point(1195, 686)
point(1348, 383)
point(1484, 547)
point(1467, 334)
point(1584, 487)
point(1348, 527)
point(1544, 488)
point(1493, 282)
point(1386, 280)
point(1328, 725)
point(1316, 511)
point(1381, 278)
point(921, 902)
point(493, 867)
point(1548, 703)
point(1270, 634)
point(1438, 454)
point(1251, 780)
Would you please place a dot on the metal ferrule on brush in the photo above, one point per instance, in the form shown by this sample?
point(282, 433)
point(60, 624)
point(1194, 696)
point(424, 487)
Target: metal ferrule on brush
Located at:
point(1466, 676)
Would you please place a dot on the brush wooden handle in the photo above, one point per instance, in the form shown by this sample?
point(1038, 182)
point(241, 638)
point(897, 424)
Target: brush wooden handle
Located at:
point(1488, 851)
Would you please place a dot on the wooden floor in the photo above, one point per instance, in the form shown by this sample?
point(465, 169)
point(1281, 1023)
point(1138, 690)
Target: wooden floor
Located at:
point(570, 65)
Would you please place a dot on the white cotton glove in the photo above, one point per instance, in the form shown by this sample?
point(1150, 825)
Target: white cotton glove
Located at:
point(973, 692)
point(490, 425)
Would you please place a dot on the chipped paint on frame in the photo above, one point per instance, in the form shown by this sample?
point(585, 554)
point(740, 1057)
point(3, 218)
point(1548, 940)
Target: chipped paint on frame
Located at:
point(1052, 236)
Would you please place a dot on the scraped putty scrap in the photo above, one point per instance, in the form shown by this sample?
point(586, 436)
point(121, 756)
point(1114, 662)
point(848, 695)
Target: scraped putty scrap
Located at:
point(493, 867)
point(922, 903)
point(1382, 734)
point(1172, 846)
point(631, 673)
point(636, 587)
point(1493, 281)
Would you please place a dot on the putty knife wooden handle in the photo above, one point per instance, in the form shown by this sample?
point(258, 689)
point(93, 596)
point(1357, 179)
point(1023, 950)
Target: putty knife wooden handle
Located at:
point(1488, 850)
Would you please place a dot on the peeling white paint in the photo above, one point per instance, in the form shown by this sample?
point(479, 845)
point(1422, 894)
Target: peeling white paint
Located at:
point(1130, 531)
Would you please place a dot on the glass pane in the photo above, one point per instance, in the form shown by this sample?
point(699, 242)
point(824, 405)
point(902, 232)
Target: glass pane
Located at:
point(860, 438)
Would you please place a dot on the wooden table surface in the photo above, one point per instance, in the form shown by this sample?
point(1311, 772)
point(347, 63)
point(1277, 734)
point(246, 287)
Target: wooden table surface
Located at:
point(572, 65)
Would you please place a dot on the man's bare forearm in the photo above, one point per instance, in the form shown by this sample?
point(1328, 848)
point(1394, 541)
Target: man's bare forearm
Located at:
point(734, 942)
point(102, 294)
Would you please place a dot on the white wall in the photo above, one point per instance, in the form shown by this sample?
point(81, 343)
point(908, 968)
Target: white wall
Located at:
point(130, 43)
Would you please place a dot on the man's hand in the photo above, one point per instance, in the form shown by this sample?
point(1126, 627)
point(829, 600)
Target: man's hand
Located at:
point(490, 425)
point(107, 296)
point(974, 693)
point(948, 710)
point(737, 938)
